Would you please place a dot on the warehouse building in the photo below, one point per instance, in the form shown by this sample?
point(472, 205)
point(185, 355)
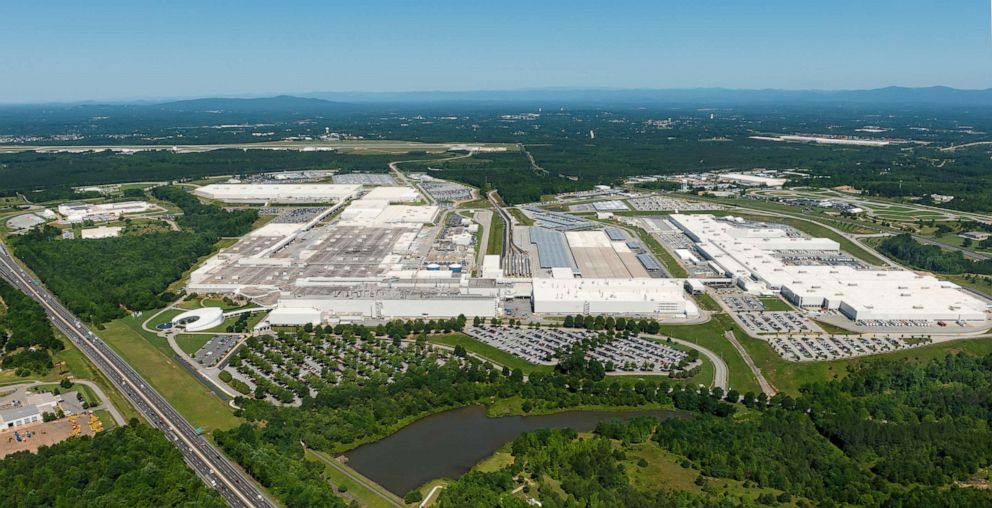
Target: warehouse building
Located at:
point(645, 296)
point(753, 255)
point(74, 213)
point(279, 192)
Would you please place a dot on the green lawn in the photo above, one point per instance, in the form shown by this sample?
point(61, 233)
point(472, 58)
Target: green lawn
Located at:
point(191, 343)
point(153, 358)
point(710, 336)
point(522, 218)
point(495, 245)
point(774, 303)
point(486, 351)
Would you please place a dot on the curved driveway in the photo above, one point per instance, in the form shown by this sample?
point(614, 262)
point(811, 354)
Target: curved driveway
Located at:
point(720, 371)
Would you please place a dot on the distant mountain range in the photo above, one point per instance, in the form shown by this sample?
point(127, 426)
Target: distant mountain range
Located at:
point(936, 95)
point(337, 102)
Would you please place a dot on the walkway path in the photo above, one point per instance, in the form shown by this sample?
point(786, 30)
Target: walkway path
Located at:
point(765, 385)
point(372, 487)
point(720, 370)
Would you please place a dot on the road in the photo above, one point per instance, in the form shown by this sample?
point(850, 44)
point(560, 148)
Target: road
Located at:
point(214, 469)
point(720, 370)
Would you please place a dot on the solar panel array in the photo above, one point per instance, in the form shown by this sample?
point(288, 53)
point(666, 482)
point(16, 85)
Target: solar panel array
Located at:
point(649, 262)
point(616, 234)
point(552, 249)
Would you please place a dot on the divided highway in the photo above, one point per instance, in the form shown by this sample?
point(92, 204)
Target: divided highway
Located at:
point(213, 468)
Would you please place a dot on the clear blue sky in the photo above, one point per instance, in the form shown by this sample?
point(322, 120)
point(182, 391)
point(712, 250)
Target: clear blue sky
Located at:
point(104, 50)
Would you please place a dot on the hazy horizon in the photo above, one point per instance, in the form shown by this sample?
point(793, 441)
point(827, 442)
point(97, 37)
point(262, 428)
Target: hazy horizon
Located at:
point(114, 51)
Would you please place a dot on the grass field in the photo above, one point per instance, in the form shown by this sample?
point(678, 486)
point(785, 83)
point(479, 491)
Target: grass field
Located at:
point(773, 303)
point(522, 218)
point(190, 343)
point(151, 356)
point(710, 336)
point(495, 246)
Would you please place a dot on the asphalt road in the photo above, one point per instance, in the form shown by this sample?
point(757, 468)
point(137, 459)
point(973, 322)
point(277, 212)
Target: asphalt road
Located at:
point(213, 468)
point(720, 371)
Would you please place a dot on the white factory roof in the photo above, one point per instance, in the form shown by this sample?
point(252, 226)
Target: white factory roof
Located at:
point(290, 316)
point(200, 319)
point(754, 179)
point(393, 194)
point(752, 254)
point(633, 290)
point(279, 193)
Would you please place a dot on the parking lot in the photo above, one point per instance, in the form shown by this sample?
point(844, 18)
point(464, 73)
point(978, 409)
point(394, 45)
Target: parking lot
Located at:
point(288, 366)
point(753, 314)
point(216, 348)
point(662, 203)
point(543, 345)
point(807, 349)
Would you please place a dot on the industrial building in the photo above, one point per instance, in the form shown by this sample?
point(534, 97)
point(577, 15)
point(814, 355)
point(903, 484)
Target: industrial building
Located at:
point(377, 260)
point(761, 258)
point(279, 192)
point(198, 320)
point(74, 213)
point(643, 296)
point(15, 413)
point(749, 179)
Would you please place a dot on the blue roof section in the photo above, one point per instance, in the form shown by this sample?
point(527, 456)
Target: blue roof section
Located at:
point(616, 234)
point(649, 262)
point(552, 248)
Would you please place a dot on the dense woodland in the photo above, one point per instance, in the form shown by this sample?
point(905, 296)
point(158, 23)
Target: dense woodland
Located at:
point(28, 172)
point(905, 249)
point(133, 465)
point(103, 279)
point(889, 434)
point(26, 335)
point(100, 280)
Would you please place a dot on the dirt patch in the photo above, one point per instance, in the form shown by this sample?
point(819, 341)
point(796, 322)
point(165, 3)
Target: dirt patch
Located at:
point(42, 434)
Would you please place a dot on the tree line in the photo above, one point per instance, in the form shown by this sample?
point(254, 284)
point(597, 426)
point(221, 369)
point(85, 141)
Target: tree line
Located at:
point(26, 335)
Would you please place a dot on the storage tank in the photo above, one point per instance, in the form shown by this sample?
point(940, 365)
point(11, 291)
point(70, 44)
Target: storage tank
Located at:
point(455, 268)
point(433, 267)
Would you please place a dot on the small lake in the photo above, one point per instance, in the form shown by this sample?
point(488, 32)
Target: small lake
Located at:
point(448, 444)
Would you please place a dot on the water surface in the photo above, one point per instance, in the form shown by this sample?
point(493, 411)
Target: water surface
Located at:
point(448, 444)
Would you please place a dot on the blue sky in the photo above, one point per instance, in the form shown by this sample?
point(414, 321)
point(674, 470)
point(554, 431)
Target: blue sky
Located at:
point(106, 50)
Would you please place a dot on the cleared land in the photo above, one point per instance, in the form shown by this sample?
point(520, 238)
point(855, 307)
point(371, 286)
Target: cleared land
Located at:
point(153, 358)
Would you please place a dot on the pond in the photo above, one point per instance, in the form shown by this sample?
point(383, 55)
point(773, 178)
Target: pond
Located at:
point(448, 444)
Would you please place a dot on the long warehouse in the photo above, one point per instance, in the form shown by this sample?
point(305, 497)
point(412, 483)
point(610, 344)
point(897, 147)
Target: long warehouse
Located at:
point(754, 256)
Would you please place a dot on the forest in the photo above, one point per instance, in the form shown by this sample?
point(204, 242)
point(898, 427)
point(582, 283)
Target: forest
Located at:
point(889, 434)
point(25, 172)
point(101, 280)
point(134, 465)
point(207, 219)
point(904, 248)
point(26, 335)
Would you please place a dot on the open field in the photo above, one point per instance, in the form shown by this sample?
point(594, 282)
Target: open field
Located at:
point(710, 336)
point(151, 356)
point(774, 303)
point(497, 226)
point(190, 343)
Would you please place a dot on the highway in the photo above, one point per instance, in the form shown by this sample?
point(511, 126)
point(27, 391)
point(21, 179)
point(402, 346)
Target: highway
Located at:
point(213, 468)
